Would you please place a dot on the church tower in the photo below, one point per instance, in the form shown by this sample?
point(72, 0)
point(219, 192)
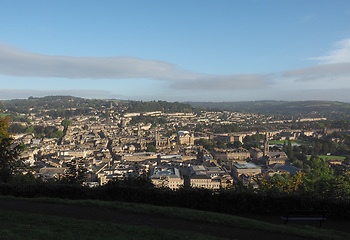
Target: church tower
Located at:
point(266, 146)
point(157, 137)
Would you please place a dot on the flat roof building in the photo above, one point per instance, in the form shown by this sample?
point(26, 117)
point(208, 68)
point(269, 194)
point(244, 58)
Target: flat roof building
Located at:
point(248, 169)
point(166, 177)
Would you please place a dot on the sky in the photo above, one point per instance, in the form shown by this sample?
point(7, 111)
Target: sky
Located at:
point(183, 50)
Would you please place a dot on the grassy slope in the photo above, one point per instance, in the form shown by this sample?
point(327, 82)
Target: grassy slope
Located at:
point(32, 226)
point(43, 224)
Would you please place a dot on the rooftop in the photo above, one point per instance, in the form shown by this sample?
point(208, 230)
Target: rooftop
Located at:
point(245, 165)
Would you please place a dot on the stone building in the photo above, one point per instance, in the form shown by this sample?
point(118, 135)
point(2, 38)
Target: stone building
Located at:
point(185, 138)
point(166, 177)
point(231, 154)
point(256, 153)
point(246, 169)
point(276, 157)
point(209, 177)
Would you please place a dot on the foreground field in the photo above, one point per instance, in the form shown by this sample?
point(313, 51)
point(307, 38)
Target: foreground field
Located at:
point(23, 219)
point(33, 226)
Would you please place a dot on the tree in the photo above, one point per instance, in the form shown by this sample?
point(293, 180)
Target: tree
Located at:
point(237, 144)
point(139, 181)
point(4, 125)
point(151, 148)
point(281, 183)
point(289, 149)
point(319, 179)
point(9, 159)
point(208, 144)
point(297, 163)
point(319, 168)
point(29, 129)
point(221, 144)
point(9, 153)
point(76, 172)
point(58, 134)
point(66, 123)
point(17, 128)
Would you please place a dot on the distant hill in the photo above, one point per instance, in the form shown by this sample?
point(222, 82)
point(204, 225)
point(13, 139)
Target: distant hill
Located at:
point(81, 105)
point(304, 108)
point(50, 103)
point(329, 109)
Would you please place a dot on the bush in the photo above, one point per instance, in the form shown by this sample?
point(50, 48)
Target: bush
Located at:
point(224, 201)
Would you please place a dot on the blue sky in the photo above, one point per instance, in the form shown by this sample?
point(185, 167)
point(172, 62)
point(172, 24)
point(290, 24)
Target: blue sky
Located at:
point(193, 50)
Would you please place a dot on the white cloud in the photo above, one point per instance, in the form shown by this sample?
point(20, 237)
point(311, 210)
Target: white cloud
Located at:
point(227, 82)
point(341, 53)
point(176, 82)
point(332, 71)
point(6, 93)
point(15, 62)
point(325, 72)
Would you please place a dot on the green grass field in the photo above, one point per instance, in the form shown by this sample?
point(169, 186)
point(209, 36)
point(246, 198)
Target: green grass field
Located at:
point(296, 141)
point(16, 225)
point(326, 157)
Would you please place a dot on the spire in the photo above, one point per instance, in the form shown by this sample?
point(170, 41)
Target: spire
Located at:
point(157, 138)
point(266, 145)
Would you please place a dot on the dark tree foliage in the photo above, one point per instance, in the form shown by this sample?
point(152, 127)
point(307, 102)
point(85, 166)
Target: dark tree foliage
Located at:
point(252, 141)
point(20, 118)
point(9, 159)
point(57, 105)
point(325, 145)
point(66, 123)
point(17, 128)
point(41, 131)
point(208, 144)
point(141, 181)
point(225, 128)
point(151, 148)
point(253, 138)
point(75, 174)
point(68, 106)
point(9, 153)
point(236, 144)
